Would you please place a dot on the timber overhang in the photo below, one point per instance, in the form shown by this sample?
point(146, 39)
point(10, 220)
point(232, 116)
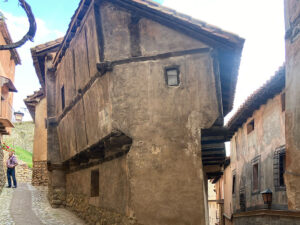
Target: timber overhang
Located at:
point(213, 151)
point(5, 81)
point(115, 145)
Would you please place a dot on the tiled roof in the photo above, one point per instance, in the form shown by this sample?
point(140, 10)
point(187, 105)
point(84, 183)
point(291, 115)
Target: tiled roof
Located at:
point(38, 54)
point(271, 88)
point(47, 45)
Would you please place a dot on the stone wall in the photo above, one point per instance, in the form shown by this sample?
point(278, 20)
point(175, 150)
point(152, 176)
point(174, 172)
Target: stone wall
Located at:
point(267, 220)
point(2, 171)
point(80, 205)
point(23, 172)
point(39, 173)
point(292, 175)
point(21, 135)
point(258, 146)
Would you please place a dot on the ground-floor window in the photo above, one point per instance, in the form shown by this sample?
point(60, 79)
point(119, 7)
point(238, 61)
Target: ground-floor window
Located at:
point(279, 168)
point(95, 183)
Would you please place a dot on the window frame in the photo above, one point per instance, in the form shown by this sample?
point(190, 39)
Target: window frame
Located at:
point(250, 126)
point(276, 168)
point(95, 191)
point(234, 190)
point(63, 97)
point(168, 68)
point(254, 162)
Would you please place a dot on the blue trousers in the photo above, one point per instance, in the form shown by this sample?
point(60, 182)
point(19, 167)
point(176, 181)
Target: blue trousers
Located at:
point(11, 173)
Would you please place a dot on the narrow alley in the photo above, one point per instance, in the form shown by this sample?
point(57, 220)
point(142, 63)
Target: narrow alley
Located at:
point(29, 205)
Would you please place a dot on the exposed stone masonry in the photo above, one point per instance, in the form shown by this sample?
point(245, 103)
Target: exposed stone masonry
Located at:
point(95, 215)
point(56, 196)
point(40, 173)
point(2, 174)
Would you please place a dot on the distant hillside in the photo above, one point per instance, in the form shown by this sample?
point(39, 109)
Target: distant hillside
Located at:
point(21, 136)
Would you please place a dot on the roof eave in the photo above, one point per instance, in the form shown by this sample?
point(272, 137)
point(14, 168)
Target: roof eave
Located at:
point(219, 40)
point(271, 88)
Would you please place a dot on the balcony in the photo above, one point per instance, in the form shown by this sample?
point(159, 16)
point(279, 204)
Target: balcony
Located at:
point(5, 117)
point(6, 108)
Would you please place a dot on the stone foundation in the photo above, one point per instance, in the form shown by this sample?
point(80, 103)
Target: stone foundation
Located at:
point(40, 173)
point(93, 215)
point(2, 171)
point(57, 197)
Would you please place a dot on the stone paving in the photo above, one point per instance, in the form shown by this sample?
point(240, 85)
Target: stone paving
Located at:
point(28, 205)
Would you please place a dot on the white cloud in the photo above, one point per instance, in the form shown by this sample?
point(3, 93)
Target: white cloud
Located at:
point(26, 80)
point(261, 23)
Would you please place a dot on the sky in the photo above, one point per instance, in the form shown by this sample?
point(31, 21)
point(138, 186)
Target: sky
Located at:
point(260, 22)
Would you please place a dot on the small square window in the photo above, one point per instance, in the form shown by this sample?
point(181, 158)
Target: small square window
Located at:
point(250, 127)
point(172, 76)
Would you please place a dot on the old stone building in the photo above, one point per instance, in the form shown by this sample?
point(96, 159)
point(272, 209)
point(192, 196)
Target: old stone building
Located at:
point(212, 204)
point(224, 195)
point(292, 174)
point(258, 157)
point(8, 61)
point(136, 96)
point(37, 106)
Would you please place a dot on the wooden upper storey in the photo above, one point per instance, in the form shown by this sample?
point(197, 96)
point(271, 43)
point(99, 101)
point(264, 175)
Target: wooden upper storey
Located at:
point(89, 19)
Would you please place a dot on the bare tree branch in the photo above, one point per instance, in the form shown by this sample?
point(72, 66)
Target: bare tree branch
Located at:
point(31, 32)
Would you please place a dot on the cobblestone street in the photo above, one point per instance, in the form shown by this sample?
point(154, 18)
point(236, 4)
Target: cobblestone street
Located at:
point(28, 205)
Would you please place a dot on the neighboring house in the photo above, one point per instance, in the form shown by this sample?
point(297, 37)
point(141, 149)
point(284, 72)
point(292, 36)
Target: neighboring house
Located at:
point(136, 97)
point(8, 61)
point(292, 123)
point(212, 204)
point(258, 159)
point(223, 195)
point(37, 106)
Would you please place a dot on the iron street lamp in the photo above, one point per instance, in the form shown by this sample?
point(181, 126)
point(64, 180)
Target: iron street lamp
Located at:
point(267, 197)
